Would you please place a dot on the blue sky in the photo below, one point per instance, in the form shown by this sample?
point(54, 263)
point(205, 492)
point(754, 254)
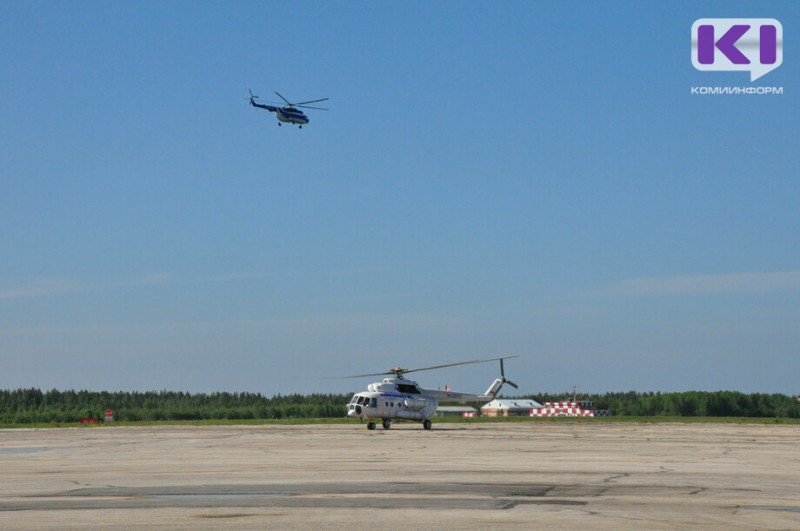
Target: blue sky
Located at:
point(517, 178)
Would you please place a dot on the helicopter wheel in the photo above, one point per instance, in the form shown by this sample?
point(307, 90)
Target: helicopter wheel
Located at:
point(387, 424)
point(426, 424)
point(371, 426)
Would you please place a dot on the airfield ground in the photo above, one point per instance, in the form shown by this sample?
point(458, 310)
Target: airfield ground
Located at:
point(456, 476)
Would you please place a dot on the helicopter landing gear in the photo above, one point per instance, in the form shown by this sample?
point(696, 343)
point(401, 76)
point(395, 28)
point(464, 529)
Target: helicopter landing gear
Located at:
point(371, 426)
point(426, 424)
point(300, 126)
point(387, 424)
point(279, 124)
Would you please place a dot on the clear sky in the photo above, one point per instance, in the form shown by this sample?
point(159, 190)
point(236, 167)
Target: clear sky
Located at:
point(492, 178)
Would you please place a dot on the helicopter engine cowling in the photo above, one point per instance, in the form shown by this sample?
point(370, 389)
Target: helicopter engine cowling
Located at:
point(416, 403)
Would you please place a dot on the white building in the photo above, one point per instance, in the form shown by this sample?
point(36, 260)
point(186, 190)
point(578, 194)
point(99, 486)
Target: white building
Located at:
point(509, 407)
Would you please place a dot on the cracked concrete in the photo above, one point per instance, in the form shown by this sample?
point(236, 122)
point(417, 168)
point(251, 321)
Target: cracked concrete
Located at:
point(465, 476)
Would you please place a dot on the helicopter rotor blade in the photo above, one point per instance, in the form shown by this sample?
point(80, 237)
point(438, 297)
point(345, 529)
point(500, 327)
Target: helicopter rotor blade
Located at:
point(303, 103)
point(356, 376)
point(400, 371)
point(289, 103)
point(312, 101)
point(459, 363)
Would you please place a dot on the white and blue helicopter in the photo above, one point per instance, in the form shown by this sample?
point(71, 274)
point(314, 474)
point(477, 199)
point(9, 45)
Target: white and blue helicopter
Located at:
point(289, 113)
point(396, 398)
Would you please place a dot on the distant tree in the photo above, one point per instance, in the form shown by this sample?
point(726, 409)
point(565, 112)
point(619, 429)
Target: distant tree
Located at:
point(32, 405)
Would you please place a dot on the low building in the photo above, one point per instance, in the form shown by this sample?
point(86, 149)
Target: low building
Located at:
point(456, 411)
point(509, 407)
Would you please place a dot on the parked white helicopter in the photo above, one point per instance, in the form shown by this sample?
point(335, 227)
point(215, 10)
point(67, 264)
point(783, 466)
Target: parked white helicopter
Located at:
point(397, 398)
point(289, 113)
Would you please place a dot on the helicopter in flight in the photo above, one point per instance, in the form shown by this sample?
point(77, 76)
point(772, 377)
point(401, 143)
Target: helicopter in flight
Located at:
point(289, 113)
point(397, 398)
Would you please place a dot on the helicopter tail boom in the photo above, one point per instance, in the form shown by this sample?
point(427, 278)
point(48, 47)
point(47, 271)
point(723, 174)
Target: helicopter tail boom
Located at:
point(494, 388)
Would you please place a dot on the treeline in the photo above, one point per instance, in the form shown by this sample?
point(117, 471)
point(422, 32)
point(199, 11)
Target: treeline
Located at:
point(23, 406)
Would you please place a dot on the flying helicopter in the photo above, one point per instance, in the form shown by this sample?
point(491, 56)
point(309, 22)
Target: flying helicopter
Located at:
point(289, 113)
point(397, 398)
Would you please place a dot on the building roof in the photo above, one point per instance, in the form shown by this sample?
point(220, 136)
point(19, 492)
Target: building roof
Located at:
point(512, 404)
point(456, 409)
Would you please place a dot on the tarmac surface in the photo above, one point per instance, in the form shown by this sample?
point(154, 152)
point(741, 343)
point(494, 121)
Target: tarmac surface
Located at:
point(462, 476)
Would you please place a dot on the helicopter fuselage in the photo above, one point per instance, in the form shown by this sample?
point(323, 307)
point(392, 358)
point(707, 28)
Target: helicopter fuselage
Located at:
point(398, 398)
point(392, 399)
point(291, 115)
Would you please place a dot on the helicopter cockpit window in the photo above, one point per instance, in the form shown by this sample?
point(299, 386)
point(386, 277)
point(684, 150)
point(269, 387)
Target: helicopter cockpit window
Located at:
point(353, 400)
point(374, 402)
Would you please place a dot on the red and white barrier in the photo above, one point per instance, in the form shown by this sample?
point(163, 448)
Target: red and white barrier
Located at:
point(583, 408)
point(582, 404)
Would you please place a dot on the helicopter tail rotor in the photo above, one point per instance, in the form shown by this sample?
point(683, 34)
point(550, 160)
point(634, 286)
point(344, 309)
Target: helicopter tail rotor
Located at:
point(252, 97)
point(494, 390)
point(503, 375)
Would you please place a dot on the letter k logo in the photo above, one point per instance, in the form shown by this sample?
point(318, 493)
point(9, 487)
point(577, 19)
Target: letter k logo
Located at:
point(752, 45)
point(726, 44)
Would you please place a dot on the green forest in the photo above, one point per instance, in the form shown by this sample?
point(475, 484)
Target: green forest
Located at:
point(25, 406)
